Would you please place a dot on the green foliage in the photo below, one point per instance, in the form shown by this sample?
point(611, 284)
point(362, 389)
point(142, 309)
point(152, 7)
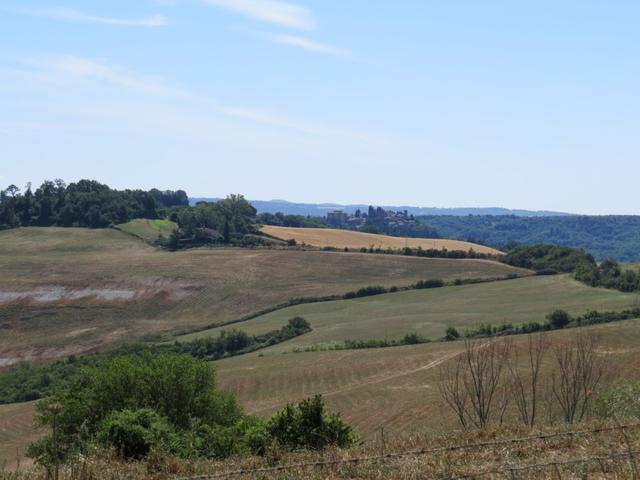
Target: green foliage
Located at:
point(609, 274)
point(176, 387)
point(365, 292)
point(86, 203)
point(281, 220)
point(558, 319)
point(168, 403)
point(602, 236)
point(451, 334)
point(30, 382)
point(429, 284)
point(132, 433)
point(225, 221)
point(548, 258)
point(408, 339)
point(236, 342)
point(169, 198)
point(307, 426)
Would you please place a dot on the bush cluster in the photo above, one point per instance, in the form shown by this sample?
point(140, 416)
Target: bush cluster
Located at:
point(169, 403)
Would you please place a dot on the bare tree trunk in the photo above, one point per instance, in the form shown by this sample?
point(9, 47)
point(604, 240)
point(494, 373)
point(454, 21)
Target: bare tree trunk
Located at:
point(471, 385)
point(579, 371)
point(452, 390)
point(525, 390)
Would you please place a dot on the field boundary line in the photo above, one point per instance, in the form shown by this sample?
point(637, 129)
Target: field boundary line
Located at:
point(434, 450)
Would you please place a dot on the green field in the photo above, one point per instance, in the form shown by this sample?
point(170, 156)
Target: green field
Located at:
point(148, 230)
point(429, 312)
point(85, 289)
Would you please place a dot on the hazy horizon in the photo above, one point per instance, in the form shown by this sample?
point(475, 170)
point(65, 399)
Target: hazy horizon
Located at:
point(528, 105)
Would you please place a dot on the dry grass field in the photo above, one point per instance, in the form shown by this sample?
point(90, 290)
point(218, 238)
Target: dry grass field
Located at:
point(16, 432)
point(429, 312)
point(66, 291)
point(329, 237)
point(392, 388)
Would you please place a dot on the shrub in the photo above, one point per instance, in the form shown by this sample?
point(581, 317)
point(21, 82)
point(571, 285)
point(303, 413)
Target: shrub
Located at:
point(558, 319)
point(451, 334)
point(365, 292)
point(429, 284)
point(132, 433)
point(177, 387)
point(412, 339)
point(308, 426)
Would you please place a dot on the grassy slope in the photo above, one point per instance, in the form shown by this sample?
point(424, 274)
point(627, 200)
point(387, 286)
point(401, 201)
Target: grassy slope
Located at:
point(175, 290)
point(395, 388)
point(329, 237)
point(16, 432)
point(148, 230)
point(429, 312)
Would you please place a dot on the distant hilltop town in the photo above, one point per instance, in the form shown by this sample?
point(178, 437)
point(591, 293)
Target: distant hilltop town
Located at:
point(373, 217)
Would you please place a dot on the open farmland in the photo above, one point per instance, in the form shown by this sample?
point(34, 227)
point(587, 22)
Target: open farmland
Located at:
point(429, 312)
point(395, 388)
point(65, 291)
point(329, 237)
point(391, 388)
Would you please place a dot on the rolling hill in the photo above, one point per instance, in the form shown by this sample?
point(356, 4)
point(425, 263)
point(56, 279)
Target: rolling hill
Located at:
point(68, 290)
point(329, 237)
point(429, 312)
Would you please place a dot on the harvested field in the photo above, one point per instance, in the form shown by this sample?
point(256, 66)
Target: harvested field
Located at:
point(161, 292)
point(329, 237)
point(395, 388)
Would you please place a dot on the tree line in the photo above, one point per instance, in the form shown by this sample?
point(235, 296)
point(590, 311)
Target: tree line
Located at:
point(86, 203)
point(550, 259)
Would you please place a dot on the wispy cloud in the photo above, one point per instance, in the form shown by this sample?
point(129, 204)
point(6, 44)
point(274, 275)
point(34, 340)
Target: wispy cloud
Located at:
point(271, 11)
point(306, 44)
point(75, 16)
point(79, 68)
point(276, 120)
point(70, 77)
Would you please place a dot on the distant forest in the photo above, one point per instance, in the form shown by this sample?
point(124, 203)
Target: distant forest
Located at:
point(615, 237)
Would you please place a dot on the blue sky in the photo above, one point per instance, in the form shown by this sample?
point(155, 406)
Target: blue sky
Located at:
point(528, 104)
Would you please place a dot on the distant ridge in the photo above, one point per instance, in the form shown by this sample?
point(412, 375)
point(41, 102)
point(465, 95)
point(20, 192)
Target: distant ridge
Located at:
point(320, 209)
